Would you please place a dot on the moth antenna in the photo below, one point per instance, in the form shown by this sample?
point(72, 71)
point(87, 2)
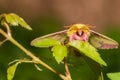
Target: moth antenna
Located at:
point(92, 26)
point(66, 27)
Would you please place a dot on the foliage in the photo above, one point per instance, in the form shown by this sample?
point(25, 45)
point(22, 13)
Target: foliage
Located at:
point(88, 50)
point(11, 71)
point(59, 52)
point(114, 76)
point(15, 20)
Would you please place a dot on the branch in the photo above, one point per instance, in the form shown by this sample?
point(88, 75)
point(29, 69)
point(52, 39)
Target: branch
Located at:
point(30, 54)
point(68, 75)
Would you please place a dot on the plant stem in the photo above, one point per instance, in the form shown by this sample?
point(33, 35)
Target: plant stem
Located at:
point(68, 75)
point(30, 54)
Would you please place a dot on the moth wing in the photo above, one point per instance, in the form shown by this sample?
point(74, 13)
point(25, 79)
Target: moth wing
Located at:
point(102, 42)
point(60, 36)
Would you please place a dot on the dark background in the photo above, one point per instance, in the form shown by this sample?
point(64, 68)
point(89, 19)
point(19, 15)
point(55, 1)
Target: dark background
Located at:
point(48, 16)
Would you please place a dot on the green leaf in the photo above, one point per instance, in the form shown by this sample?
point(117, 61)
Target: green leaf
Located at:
point(15, 20)
point(11, 20)
point(47, 42)
point(114, 76)
point(59, 52)
point(95, 67)
point(11, 71)
point(37, 67)
point(88, 50)
point(21, 21)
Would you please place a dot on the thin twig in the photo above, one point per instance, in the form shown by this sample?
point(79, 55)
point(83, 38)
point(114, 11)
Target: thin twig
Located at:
point(68, 75)
point(3, 41)
point(8, 28)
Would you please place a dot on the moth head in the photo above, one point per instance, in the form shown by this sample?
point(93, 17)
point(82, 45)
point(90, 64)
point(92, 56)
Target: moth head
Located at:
point(78, 32)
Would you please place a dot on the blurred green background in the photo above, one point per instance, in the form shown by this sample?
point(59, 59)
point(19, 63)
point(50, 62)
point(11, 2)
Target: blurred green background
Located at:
point(48, 16)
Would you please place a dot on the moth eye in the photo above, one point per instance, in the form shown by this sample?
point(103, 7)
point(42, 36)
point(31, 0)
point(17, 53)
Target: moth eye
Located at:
point(80, 33)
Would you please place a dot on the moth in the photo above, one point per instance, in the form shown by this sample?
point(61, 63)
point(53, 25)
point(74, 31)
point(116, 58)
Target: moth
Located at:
point(83, 33)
